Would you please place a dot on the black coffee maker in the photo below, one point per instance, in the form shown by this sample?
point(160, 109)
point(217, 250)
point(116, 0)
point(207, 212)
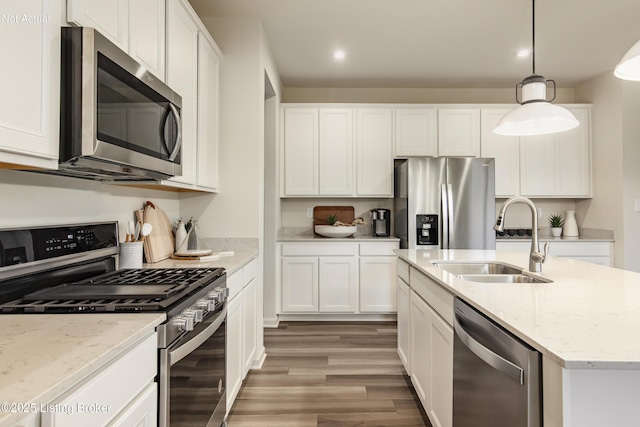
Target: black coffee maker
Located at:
point(380, 222)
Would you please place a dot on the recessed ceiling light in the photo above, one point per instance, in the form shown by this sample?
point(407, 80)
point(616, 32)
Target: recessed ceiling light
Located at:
point(523, 53)
point(339, 54)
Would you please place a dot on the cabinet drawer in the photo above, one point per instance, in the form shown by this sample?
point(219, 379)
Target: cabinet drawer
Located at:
point(250, 271)
point(235, 283)
point(319, 249)
point(378, 248)
point(403, 270)
point(110, 390)
point(438, 298)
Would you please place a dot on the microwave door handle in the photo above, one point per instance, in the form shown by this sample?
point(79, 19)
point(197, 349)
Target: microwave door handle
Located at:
point(176, 148)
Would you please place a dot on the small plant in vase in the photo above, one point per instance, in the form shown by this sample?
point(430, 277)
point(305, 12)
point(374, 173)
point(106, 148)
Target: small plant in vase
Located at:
point(556, 222)
point(332, 219)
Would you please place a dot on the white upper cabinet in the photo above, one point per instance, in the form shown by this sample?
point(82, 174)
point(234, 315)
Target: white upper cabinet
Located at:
point(301, 152)
point(30, 86)
point(558, 165)
point(504, 149)
point(208, 113)
point(416, 132)
point(109, 17)
point(459, 132)
point(182, 77)
point(135, 26)
point(374, 152)
point(336, 151)
point(147, 26)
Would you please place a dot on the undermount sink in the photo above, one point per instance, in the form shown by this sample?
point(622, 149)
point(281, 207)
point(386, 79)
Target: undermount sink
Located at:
point(502, 278)
point(478, 268)
point(488, 272)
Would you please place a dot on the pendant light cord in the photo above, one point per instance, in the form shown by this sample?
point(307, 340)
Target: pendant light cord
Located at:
point(533, 34)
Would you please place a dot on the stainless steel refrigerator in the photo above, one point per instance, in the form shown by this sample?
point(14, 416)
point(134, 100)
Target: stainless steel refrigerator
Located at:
point(445, 202)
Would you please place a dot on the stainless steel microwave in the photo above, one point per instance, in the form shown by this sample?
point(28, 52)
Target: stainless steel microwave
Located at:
point(118, 121)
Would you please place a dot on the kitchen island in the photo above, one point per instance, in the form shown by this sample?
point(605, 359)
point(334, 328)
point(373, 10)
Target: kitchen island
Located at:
point(585, 324)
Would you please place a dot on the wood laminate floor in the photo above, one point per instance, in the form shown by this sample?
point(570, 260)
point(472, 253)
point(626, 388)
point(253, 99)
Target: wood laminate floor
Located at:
point(329, 374)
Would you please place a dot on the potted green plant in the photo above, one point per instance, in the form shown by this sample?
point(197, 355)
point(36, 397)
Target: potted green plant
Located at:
point(556, 222)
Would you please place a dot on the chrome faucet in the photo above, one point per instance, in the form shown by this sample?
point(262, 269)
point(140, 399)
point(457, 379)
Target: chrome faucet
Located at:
point(536, 258)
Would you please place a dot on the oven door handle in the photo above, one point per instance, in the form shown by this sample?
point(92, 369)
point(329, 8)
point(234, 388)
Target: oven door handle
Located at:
point(188, 347)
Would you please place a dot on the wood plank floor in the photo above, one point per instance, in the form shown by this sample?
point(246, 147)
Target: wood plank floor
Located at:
point(329, 374)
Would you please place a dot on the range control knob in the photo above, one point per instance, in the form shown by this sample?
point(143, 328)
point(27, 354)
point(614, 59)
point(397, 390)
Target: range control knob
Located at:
point(195, 313)
point(206, 304)
point(215, 296)
point(183, 323)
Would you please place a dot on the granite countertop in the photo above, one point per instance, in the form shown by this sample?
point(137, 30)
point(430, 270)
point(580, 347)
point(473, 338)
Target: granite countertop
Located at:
point(44, 355)
point(587, 318)
point(231, 263)
point(310, 237)
point(553, 239)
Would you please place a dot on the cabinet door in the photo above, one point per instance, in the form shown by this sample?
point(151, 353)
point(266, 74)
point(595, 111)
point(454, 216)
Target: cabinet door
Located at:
point(109, 17)
point(419, 337)
point(504, 149)
point(250, 330)
point(338, 284)
point(404, 327)
point(378, 284)
point(299, 284)
point(30, 85)
point(234, 360)
point(182, 77)
point(538, 162)
point(459, 132)
point(374, 152)
point(147, 34)
point(301, 152)
point(208, 119)
point(416, 132)
point(142, 412)
point(336, 152)
point(440, 376)
point(573, 166)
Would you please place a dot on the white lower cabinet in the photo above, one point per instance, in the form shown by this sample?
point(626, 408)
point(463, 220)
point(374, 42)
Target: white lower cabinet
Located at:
point(426, 337)
point(105, 399)
point(338, 277)
point(594, 252)
point(242, 327)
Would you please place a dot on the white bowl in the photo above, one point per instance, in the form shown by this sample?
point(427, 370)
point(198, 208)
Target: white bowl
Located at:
point(339, 231)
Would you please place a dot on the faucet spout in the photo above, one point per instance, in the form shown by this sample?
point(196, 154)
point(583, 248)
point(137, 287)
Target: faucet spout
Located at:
point(536, 258)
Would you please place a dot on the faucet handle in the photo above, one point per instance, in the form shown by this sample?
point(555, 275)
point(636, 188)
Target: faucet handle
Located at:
point(546, 251)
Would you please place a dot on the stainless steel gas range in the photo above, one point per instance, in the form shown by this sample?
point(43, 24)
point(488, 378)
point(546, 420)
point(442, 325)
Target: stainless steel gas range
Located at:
point(73, 269)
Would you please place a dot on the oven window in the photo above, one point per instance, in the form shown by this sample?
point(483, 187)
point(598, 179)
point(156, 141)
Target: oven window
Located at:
point(197, 383)
point(131, 114)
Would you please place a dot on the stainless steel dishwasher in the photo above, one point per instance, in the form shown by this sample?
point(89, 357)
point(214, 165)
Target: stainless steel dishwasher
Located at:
point(496, 377)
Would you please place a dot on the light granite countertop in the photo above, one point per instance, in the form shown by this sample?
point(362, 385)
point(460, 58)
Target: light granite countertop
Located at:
point(44, 355)
point(231, 263)
point(315, 238)
point(587, 318)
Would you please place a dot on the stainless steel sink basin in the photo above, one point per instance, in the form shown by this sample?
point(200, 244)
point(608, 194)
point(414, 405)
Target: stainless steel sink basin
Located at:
point(503, 278)
point(478, 268)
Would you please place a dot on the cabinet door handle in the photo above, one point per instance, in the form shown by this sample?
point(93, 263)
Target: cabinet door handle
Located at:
point(489, 357)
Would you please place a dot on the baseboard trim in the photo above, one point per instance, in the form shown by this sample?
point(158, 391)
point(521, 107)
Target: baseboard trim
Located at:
point(338, 317)
point(271, 323)
point(258, 361)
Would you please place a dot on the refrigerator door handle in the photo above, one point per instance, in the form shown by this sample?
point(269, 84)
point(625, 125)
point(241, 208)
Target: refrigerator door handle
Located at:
point(445, 217)
point(452, 229)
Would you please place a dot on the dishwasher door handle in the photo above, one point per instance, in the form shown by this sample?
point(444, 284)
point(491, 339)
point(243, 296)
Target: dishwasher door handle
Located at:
point(492, 359)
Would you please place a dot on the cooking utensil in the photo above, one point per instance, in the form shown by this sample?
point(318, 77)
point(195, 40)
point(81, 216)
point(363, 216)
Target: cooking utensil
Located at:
point(127, 237)
point(146, 230)
point(136, 234)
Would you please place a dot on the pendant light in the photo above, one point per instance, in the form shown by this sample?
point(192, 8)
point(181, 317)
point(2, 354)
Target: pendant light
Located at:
point(629, 66)
point(535, 115)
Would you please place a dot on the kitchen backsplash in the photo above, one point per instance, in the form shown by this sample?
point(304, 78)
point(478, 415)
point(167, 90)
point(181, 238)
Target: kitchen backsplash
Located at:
point(294, 211)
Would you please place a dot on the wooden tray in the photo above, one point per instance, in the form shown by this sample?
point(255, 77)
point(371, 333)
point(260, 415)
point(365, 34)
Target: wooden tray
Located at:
point(345, 214)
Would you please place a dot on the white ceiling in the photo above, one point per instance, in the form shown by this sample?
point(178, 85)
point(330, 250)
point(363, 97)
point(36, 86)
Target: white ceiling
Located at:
point(438, 43)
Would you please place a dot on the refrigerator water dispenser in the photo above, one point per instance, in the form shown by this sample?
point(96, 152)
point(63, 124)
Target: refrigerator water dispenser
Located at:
point(427, 229)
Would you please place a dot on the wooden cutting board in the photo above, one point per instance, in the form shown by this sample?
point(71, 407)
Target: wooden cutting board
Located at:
point(160, 243)
point(345, 214)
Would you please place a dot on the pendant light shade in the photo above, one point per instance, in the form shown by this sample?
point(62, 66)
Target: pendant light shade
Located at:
point(629, 66)
point(535, 115)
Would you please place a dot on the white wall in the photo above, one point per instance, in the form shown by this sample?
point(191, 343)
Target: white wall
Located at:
point(631, 168)
point(519, 215)
point(30, 199)
point(294, 211)
point(605, 211)
point(410, 95)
